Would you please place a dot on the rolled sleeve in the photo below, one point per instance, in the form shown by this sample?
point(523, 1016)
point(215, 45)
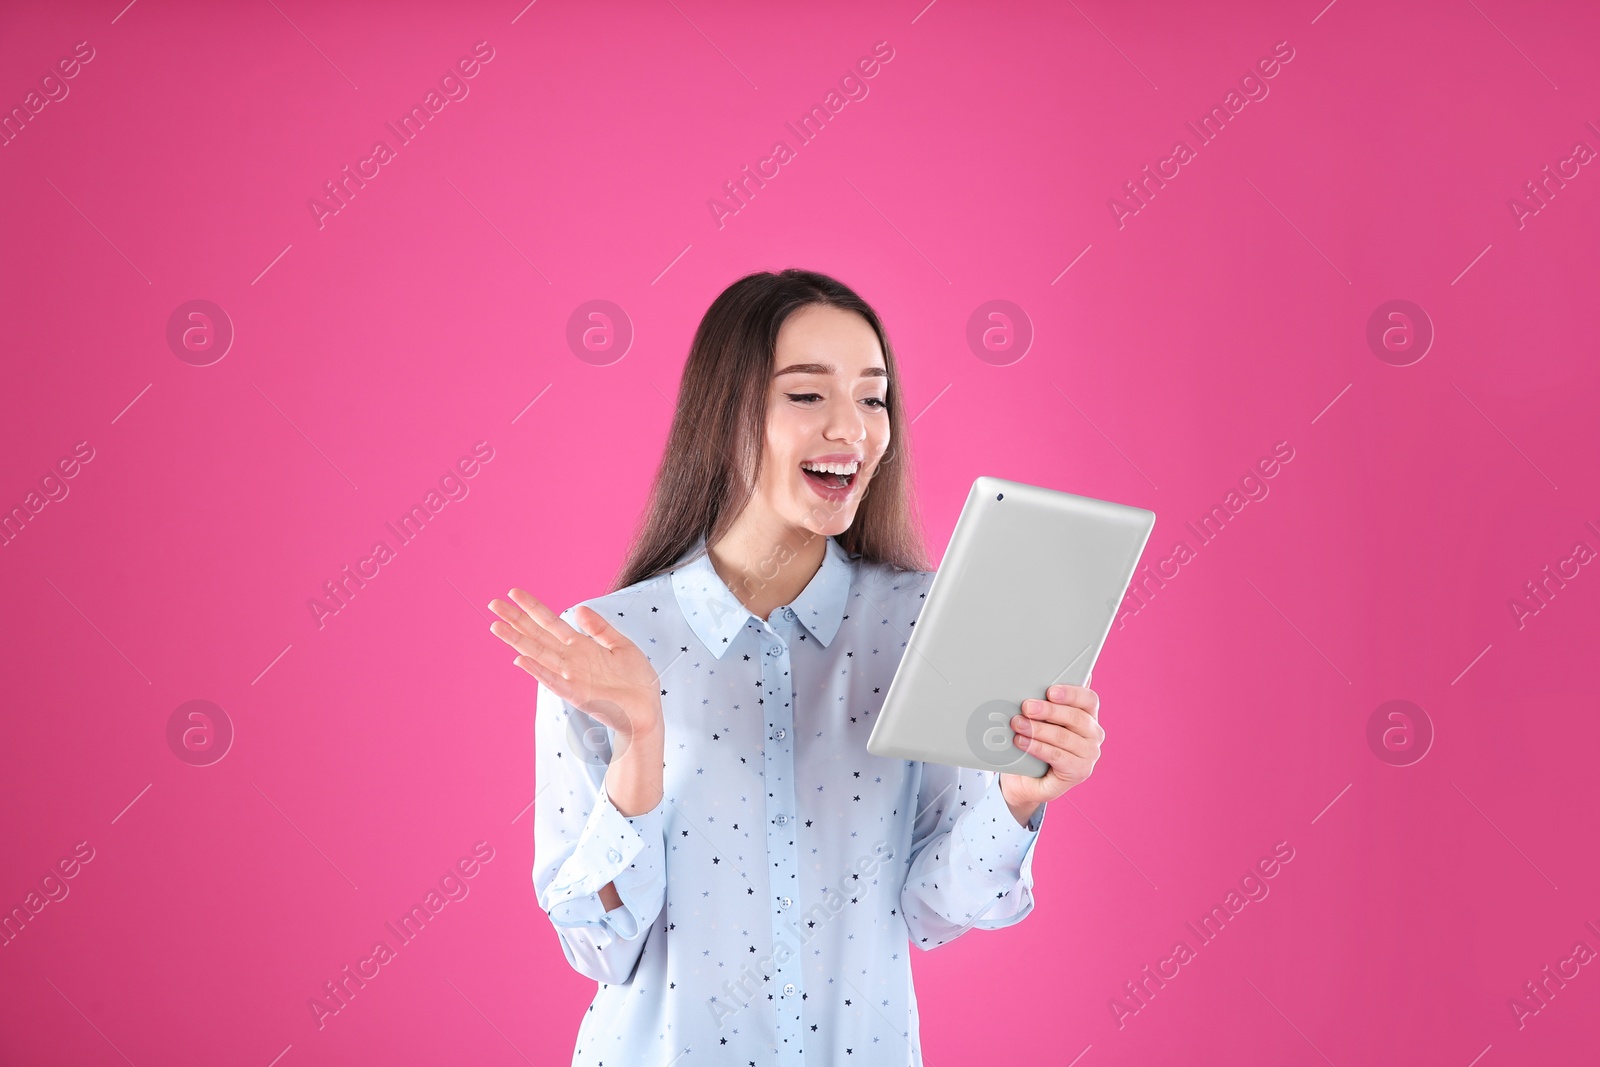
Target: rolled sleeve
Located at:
point(626, 851)
point(997, 846)
point(582, 842)
point(972, 865)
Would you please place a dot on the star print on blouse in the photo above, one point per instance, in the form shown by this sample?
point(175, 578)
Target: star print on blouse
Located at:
point(767, 900)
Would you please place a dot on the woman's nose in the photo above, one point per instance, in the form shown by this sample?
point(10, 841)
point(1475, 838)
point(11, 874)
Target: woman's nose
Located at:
point(847, 424)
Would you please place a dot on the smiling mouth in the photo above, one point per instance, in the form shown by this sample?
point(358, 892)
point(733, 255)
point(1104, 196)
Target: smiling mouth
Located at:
point(829, 481)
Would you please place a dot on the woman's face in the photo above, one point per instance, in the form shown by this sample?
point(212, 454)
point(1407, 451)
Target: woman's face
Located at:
point(826, 405)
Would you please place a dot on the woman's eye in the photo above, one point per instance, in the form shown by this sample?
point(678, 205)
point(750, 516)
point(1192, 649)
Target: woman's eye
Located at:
point(877, 403)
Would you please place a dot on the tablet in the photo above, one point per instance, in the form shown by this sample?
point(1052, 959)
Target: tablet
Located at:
point(1023, 600)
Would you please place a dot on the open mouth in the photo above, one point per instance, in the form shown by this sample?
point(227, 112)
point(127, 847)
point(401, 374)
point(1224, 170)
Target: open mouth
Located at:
point(840, 477)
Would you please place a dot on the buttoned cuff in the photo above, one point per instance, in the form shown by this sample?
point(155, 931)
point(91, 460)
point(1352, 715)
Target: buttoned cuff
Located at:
point(997, 844)
point(627, 851)
point(591, 911)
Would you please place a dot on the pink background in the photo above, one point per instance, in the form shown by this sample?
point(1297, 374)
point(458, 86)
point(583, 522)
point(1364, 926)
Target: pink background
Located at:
point(1227, 315)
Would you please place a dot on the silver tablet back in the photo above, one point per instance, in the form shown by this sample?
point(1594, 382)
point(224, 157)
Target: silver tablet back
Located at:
point(1024, 599)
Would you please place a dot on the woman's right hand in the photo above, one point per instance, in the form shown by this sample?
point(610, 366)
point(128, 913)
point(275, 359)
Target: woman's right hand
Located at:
point(600, 672)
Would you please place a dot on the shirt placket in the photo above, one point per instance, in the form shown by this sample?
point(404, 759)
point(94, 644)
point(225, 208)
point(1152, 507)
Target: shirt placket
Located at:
point(782, 819)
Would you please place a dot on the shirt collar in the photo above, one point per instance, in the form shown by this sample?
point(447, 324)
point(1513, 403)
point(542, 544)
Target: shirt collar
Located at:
point(716, 616)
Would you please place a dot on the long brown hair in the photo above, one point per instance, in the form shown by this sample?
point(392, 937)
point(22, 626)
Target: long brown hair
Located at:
point(718, 436)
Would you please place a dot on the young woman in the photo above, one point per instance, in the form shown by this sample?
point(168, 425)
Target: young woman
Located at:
point(712, 841)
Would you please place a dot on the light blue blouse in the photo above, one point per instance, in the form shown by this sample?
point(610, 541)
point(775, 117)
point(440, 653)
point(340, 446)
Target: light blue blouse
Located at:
point(768, 899)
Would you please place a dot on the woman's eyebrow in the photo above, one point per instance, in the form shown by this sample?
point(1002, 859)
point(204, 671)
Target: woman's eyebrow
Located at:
point(828, 368)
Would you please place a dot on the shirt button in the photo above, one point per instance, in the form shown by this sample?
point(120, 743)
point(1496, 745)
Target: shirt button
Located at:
point(773, 651)
point(614, 856)
point(788, 990)
point(781, 733)
point(788, 613)
point(782, 819)
point(785, 902)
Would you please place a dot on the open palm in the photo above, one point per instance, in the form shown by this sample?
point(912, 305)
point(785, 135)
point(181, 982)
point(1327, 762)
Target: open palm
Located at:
point(600, 672)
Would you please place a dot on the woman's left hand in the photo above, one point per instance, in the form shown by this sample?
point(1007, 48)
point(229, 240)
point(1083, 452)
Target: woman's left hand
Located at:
point(1064, 731)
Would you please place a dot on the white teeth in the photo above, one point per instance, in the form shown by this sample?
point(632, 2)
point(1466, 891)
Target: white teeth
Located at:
point(833, 468)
